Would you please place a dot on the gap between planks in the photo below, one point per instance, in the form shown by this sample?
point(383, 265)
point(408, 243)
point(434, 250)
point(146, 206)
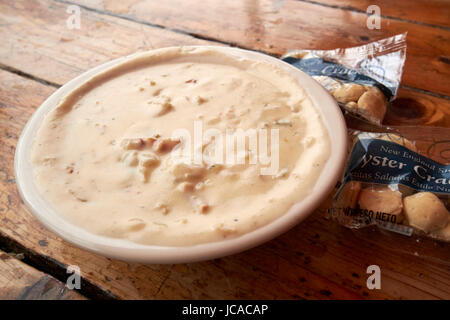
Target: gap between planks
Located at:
point(356, 10)
point(53, 268)
point(212, 39)
point(154, 25)
point(28, 76)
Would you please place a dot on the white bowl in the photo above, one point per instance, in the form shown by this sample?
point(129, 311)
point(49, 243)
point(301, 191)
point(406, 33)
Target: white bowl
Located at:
point(130, 251)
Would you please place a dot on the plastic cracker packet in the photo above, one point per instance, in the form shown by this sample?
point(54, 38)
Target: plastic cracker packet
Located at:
point(397, 183)
point(362, 79)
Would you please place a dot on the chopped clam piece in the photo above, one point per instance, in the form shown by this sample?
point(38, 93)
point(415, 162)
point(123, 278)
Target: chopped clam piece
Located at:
point(166, 144)
point(130, 158)
point(147, 163)
point(157, 92)
point(214, 120)
point(186, 187)
point(163, 207)
point(145, 173)
point(160, 105)
point(199, 205)
point(132, 144)
point(148, 159)
point(137, 143)
point(150, 141)
point(200, 100)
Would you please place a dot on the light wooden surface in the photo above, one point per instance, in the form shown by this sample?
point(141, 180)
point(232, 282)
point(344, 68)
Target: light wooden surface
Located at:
point(262, 25)
point(315, 260)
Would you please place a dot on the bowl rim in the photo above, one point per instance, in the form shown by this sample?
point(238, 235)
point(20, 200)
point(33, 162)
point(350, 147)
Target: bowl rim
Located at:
point(133, 252)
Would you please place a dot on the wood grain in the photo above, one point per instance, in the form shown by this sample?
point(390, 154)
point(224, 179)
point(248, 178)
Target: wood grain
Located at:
point(19, 281)
point(46, 49)
point(431, 12)
point(416, 108)
point(36, 40)
point(279, 26)
point(317, 259)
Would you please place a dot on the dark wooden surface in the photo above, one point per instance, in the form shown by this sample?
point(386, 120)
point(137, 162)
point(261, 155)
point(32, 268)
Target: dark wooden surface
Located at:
point(315, 260)
point(20, 281)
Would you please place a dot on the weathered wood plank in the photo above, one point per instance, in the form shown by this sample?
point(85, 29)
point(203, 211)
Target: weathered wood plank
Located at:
point(279, 26)
point(36, 40)
point(19, 281)
point(434, 12)
point(46, 49)
point(317, 259)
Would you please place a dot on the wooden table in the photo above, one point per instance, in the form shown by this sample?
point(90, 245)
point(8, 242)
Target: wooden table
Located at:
point(315, 260)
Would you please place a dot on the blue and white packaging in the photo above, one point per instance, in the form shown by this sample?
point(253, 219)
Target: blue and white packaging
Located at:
point(362, 79)
point(390, 181)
